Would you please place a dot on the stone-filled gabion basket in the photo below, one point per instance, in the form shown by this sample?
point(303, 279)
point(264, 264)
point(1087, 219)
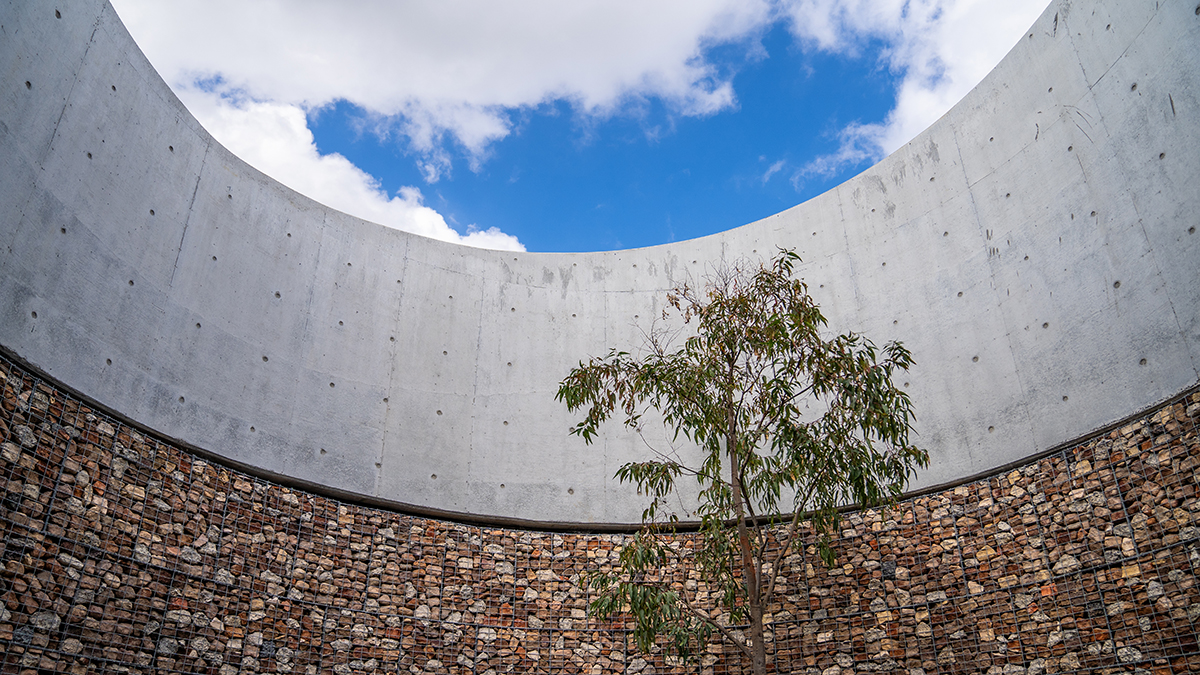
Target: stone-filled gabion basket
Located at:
point(124, 553)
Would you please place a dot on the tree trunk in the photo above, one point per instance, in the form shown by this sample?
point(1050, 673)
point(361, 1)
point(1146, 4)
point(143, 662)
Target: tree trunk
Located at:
point(750, 570)
point(757, 645)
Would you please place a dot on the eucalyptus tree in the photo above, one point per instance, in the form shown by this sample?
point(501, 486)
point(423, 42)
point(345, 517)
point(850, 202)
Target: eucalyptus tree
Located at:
point(788, 424)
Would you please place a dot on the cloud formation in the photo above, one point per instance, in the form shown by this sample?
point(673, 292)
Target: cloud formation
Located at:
point(940, 49)
point(275, 139)
point(447, 79)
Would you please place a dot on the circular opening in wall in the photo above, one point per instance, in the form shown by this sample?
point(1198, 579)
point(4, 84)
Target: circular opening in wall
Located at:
point(251, 429)
point(131, 282)
point(570, 491)
point(57, 14)
point(974, 359)
point(885, 264)
point(34, 315)
point(331, 385)
point(392, 338)
point(348, 265)
point(505, 422)
point(931, 179)
point(215, 260)
point(1192, 230)
point(63, 230)
point(1133, 87)
point(28, 84)
point(276, 292)
point(513, 309)
point(385, 399)
point(89, 155)
point(991, 429)
point(439, 412)
point(108, 362)
point(1046, 325)
point(1070, 148)
point(181, 399)
point(171, 148)
point(433, 476)
point(502, 486)
point(1093, 214)
point(572, 316)
point(197, 325)
point(1142, 362)
point(1007, 195)
point(509, 364)
point(151, 211)
point(265, 359)
point(960, 294)
point(945, 234)
point(991, 138)
point(340, 323)
point(1050, 89)
point(444, 352)
point(114, 87)
point(1064, 398)
point(1161, 155)
point(322, 451)
point(1116, 284)
point(895, 321)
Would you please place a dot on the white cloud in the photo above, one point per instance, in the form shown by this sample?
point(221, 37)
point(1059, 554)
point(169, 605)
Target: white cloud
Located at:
point(275, 139)
point(448, 79)
point(940, 48)
point(451, 71)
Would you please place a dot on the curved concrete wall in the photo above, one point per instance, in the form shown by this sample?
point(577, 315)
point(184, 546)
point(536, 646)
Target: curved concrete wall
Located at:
point(1035, 248)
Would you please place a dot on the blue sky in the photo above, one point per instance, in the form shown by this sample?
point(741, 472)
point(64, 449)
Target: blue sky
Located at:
point(570, 127)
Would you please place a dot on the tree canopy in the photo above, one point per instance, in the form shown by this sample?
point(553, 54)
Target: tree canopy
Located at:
point(790, 424)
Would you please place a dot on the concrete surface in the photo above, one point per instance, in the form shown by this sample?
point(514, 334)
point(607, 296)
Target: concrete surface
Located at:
point(1035, 248)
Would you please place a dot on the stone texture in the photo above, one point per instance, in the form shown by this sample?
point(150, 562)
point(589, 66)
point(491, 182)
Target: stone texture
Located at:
point(123, 553)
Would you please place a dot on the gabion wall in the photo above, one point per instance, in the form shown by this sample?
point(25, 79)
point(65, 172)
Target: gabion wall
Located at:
point(122, 553)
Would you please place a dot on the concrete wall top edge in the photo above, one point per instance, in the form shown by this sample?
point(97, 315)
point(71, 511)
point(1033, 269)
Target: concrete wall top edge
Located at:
point(1035, 248)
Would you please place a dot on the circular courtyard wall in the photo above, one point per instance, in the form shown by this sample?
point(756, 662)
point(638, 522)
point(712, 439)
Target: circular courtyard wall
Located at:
point(1035, 249)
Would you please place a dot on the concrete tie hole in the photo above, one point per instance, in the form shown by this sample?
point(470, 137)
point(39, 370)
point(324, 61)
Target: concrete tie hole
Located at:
point(151, 211)
point(974, 359)
point(181, 399)
point(108, 362)
point(57, 14)
point(1142, 362)
point(331, 385)
point(28, 84)
point(171, 148)
point(991, 429)
point(114, 87)
point(433, 476)
point(1116, 284)
point(439, 413)
point(265, 359)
